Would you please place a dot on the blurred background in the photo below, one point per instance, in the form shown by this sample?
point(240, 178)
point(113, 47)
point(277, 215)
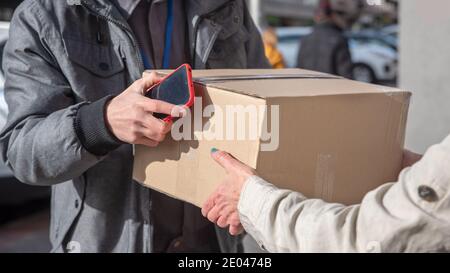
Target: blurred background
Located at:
point(389, 42)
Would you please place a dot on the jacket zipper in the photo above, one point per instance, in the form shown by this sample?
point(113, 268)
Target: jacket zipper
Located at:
point(121, 25)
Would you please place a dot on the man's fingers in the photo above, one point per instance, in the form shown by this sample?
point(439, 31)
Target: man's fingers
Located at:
point(155, 129)
point(147, 142)
point(162, 107)
point(224, 159)
point(167, 126)
point(146, 82)
point(157, 106)
point(149, 79)
point(153, 136)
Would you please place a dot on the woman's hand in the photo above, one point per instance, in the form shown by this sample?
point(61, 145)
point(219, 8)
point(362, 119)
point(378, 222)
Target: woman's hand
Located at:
point(222, 206)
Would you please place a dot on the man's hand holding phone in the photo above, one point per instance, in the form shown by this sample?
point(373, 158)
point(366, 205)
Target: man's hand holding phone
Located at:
point(130, 118)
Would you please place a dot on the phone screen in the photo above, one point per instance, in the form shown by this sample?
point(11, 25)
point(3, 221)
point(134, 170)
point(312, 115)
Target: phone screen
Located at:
point(174, 89)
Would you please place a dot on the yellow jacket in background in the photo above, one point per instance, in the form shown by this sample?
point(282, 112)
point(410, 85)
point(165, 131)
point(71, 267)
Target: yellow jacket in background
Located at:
point(274, 56)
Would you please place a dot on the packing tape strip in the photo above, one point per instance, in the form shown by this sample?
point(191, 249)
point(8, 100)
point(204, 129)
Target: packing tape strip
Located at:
point(218, 79)
point(325, 177)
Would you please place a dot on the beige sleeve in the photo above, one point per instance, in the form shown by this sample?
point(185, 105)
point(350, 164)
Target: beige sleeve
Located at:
point(412, 215)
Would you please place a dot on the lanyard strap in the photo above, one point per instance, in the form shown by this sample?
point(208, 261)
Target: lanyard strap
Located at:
point(167, 40)
point(145, 60)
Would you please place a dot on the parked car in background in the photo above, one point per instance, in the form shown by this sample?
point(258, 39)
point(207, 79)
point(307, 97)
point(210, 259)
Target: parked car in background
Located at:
point(390, 35)
point(387, 35)
point(391, 30)
point(375, 59)
point(14, 194)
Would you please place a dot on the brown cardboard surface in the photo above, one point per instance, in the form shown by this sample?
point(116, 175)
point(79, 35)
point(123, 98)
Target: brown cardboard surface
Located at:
point(338, 139)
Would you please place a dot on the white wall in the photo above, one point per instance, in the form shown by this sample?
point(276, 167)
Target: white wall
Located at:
point(425, 69)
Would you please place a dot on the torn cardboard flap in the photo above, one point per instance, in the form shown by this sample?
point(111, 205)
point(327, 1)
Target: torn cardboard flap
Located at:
point(317, 134)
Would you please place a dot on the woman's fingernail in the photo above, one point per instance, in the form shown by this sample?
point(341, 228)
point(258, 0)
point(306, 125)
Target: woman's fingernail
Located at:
point(214, 150)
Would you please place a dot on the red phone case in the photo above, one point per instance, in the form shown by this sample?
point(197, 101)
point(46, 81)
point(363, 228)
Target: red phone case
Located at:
point(190, 85)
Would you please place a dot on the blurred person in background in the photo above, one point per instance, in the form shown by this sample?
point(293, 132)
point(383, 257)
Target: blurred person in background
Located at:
point(274, 56)
point(326, 48)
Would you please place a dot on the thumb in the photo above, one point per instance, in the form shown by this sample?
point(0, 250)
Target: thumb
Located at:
point(224, 159)
point(149, 79)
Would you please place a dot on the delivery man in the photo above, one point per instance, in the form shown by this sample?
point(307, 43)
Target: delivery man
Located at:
point(326, 48)
point(412, 215)
point(70, 126)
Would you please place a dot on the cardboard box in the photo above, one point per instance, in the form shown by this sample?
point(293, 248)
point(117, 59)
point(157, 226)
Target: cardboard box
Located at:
point(337, 139)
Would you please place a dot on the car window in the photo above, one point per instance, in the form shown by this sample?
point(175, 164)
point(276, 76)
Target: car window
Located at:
point(289, 39)
point(367, 40)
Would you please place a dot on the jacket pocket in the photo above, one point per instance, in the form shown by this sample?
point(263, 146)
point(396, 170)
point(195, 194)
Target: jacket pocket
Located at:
point(231, 18)
point(102, 60)
point(231, 52)
point(233, 35)
point(94, 70)
point(67, 203)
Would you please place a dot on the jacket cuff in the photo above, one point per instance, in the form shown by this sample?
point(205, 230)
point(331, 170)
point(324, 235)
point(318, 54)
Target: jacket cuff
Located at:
point(253, 198)
point(252, 203)
point(92, 131)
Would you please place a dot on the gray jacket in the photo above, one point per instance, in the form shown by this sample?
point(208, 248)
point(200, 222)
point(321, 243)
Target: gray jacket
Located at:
point(53, 66)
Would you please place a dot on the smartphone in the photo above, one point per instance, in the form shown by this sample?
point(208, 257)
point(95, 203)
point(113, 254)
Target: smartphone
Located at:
point(176, 88)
